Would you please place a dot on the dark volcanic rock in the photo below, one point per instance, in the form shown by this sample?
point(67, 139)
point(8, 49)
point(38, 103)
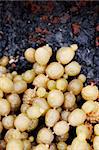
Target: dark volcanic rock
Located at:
point(25, 24)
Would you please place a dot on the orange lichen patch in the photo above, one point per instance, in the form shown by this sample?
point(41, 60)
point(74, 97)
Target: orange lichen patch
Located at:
point(38, 30)
point(76, 28)
point(97, 41)
point(35, 8)
point(44, 18)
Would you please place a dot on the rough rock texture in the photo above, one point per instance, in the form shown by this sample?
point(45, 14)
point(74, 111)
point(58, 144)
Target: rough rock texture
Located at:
point(25, 24)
